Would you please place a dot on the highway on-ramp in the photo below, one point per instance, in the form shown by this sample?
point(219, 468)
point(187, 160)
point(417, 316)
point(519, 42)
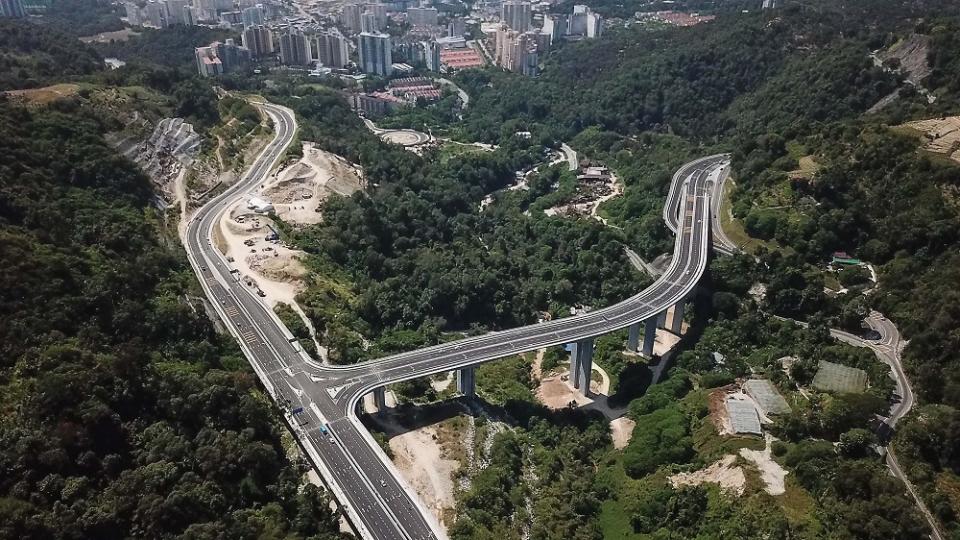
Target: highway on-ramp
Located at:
point(320, 402)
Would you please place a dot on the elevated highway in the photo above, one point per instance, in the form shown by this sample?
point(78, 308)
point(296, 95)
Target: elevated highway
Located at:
point(320, 402)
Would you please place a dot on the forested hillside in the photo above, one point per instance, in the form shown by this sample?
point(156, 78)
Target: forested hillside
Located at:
point(421, 257)
point(862, 185)
point(122, 413)
point(33, 56)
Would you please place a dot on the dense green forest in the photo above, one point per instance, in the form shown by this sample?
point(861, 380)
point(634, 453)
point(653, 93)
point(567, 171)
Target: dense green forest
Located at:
point(171, 47)
point(415, 252)
point(124, 413)
point(862, 185)
point(79, 18)
point(32, 56)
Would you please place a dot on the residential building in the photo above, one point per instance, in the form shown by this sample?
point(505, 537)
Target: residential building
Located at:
point(375, 104)
point(35, 7)
point(585, 23)
point(12, 8)
point(350, 17)
point(206, 9)
point(259, 40)
point(369, 22)
point(231, 17)
point(133, 13)
point(175, 11)
point(208, 63)
point(516, 51)
point(516, 14)
point(331, 49)
point(769, 4)
point(461, 58)
point(252, 16)
point(555, 24)
point(189, 16)
point(431, 55)
point(423, 16)
point(456, 27)
point(594, 25)
point(380, 12)
point(232, 56)
point(156, 14)
point(375, 53)
point(412, 89)
point(221, 57)
point(294, 49)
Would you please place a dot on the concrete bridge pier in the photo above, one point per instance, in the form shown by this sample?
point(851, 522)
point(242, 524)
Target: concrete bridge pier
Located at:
point(581, 364)
point(649, 336)
point(633, 337)
point(467, 381)
point(676, 322)
point(662, 319)
point(380, 398)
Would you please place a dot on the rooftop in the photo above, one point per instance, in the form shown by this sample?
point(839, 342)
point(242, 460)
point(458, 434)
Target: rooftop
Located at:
point(743, 416)
point(766, 396)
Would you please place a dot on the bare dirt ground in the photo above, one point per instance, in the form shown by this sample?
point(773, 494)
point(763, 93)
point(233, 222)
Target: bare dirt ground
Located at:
point(556, 392)
point(428, 458)
point(439, 385)
point(267, 266)
point(718, 410)
point(297, 190)
point(731, 479)
point(590, 195)
point(420, 458)
point(912, 56)
point(941, 135)
point(771, 472)
point(621, 429)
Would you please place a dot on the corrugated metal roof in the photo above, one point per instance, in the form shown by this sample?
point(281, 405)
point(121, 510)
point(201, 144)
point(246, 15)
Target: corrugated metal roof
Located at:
point(743, 416)
point(766, 396)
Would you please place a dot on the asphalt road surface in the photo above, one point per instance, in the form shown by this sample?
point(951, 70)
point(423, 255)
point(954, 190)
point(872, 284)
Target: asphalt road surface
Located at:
point(320, 402)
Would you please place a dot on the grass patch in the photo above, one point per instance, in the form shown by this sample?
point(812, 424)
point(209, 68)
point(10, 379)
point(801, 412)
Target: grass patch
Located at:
point(711, 446)
point(615, 520)
point(45, 95)
point(734, 229)
point(452, 149)
point(798, 506)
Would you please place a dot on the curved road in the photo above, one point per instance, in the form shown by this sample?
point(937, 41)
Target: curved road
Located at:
point(320, 402)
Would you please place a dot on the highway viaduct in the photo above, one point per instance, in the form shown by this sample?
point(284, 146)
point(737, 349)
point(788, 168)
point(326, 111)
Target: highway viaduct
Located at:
point(320, 403)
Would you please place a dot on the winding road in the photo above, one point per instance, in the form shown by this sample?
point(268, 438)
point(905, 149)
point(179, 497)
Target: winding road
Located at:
point(320, 402)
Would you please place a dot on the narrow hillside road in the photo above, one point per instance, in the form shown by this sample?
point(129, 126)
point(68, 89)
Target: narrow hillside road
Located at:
point(887, 349)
